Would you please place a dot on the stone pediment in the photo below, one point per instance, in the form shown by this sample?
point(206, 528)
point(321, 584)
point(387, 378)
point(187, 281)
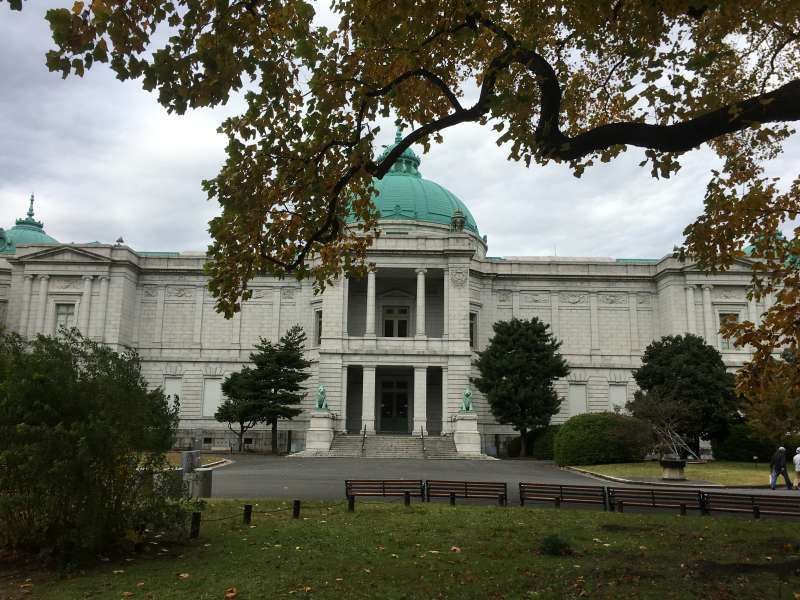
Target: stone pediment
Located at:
point(65, 254)
point(740, 265)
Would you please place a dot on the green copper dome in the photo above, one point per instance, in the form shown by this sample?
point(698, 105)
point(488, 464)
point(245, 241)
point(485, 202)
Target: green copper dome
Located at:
point(404, 194)
point(25, 231)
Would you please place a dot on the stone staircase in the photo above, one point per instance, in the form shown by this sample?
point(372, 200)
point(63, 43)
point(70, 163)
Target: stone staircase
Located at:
point(393, 446)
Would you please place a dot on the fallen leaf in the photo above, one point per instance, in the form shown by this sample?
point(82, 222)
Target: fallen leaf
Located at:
point(307, 588)
point(231, 593)
point(183, 576)
point(455, 549)
point(118, 571)
point(140, 584)
point(127, 594)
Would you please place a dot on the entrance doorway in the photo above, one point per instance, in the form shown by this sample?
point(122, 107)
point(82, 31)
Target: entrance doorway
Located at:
point(394, 400)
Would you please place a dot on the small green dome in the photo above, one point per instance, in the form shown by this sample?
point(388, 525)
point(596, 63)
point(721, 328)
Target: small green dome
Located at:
point(25, 231)
point(404, 194)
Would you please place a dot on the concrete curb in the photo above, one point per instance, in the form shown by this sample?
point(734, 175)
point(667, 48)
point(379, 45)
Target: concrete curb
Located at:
point(639, 482)
point(223, 462)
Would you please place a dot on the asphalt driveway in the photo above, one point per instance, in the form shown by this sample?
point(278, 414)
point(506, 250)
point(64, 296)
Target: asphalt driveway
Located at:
point(323, 478)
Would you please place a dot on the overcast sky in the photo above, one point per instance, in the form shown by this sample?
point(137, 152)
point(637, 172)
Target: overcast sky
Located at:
point(105, 160)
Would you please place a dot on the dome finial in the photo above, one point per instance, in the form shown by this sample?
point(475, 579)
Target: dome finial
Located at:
point(398, 132)
point(30, 210)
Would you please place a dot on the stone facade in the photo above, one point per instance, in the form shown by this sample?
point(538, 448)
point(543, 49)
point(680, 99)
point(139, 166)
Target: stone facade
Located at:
point(395, 350)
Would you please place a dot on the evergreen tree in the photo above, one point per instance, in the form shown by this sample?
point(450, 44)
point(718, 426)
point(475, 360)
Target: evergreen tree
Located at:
point(685, 382)
point(271, 389)
point(518, 370)
point(241, 406)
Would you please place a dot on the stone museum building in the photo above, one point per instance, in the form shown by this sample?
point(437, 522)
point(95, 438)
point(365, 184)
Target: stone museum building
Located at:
point(394, 351)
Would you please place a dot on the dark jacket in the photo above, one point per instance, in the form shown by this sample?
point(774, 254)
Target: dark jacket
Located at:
point(778, 462)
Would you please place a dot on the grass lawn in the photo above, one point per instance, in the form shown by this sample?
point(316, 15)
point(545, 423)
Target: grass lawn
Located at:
point(174, 458)
point(725, 473)
point(387, 551)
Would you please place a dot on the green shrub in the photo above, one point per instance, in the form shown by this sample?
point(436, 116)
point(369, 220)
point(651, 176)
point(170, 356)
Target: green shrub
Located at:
point(599, 438)
point(741, 443)
point(555, 545)
point(543, 443)
point(82, 457)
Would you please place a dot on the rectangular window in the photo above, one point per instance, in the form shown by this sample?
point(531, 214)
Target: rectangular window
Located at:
point(395, 321)
point(317, 327)
point(212, 396)
point(473, 330)
point(617, 397)
point(65, 316)
point(576, 401)
point(172, 388)
point(726, 344)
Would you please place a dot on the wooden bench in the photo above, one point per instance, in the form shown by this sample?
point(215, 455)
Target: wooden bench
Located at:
point(436, 488)
point(559, 494)
point(755, 504)
point(404, 488)
point(682, 499)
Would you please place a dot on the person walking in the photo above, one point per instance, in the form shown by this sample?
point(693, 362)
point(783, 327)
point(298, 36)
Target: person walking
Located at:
point(778, 467)
point(796, 461)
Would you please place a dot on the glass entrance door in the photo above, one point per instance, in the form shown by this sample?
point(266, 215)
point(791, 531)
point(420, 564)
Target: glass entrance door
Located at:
point(394, 405)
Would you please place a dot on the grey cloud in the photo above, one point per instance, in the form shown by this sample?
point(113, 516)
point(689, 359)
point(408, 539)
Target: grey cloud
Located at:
point(106, 160)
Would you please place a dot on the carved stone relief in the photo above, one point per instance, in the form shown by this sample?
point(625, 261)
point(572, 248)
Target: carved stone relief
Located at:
point(535, 298)
point(504, 296)
point(573, 298)
point(458, 277)
point(614, 299)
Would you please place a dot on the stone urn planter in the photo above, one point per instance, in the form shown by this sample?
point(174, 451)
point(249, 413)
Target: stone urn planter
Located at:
point(672, 469)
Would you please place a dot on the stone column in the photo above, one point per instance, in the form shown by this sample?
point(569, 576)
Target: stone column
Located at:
point(86, 303)
point(370, 330)
point(708, 317)
point(343, 408)
point(27, 287)
point(633, 312)
point(420, 400)
point(691, 321)
point(276, 314)
point(197, 326)
point(368, 399)
point(554, 314)
point(445, 407)
point(594, 317)
point(446, 311)
point(101, 316)
point(752, 312)
point(420, 319)
point(44, 284)
point(345, 305)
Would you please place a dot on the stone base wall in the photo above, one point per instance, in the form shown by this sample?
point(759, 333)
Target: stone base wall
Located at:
point(259, 440)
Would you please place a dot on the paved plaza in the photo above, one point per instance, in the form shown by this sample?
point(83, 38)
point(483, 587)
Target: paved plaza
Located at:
point(323, 478)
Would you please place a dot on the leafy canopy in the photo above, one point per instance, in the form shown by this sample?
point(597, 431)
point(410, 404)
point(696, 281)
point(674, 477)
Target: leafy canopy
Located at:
point(518, 369)
point(571, 81)
point(685, 387)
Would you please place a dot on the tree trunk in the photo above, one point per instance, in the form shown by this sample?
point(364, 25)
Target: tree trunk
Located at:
point(523, 451)
point(241, 438)
point(275, 435)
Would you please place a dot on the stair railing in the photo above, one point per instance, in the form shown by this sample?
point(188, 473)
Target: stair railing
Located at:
point(422, 437)
point(363, 439)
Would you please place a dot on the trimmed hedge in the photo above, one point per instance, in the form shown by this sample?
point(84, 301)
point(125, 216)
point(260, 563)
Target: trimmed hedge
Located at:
point(742, 443)
point(600, 438)
point(543, 444)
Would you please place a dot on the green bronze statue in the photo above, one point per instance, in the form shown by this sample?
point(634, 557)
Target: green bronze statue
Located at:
point(466, 403)
point(322, 402)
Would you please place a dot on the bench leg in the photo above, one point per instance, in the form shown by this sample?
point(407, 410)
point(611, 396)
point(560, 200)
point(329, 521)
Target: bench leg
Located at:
point(558, 502)
point(756, 512)
point(501, 500)
point(407, 499)
point(620, 508)
point(683, 510)
point(351, 503)
point(452, 498)
point(521, 500)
